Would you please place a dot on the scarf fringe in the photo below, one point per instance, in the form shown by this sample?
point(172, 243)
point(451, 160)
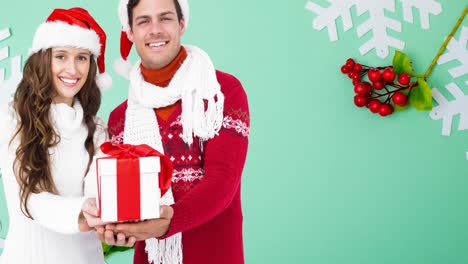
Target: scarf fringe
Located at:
point(168, 250)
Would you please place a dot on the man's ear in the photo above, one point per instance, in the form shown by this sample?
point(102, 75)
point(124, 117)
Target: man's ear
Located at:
point(182, 26)
point(130, 35)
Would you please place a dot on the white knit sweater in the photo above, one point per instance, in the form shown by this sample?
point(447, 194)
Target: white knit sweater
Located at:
point(53, 236)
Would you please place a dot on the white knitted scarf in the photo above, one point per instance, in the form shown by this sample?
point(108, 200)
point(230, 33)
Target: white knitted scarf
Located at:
point(194, 83)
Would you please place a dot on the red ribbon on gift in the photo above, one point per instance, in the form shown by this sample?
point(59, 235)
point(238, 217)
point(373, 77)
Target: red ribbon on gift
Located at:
point(128, 175)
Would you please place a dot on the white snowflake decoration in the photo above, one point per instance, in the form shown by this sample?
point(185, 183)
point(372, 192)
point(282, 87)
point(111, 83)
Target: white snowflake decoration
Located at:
point(8, 86)
point(447, 109)
point(457, 50)
point(2, 243)
point(377, 23)
point(425, 7)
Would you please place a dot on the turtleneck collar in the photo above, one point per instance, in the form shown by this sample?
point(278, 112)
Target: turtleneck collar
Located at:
point(67, 119)
point(162, 77)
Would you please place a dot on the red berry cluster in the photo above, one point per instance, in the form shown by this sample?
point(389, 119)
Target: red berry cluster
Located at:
point(380, 79)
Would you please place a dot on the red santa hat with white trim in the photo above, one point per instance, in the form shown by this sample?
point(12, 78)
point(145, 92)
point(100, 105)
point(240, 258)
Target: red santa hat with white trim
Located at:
point(121, 65)
point(74, 27)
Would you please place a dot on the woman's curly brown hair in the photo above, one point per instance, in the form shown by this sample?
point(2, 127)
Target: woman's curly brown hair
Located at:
point(35, 131)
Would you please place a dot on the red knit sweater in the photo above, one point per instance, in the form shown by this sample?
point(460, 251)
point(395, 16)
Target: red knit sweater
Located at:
point(206, 184)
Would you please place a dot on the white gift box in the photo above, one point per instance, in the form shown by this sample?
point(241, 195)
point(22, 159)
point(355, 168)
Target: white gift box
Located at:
point(117, 198)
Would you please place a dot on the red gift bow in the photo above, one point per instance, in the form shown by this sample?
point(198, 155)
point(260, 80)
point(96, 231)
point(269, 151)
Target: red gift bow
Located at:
point(138, 151)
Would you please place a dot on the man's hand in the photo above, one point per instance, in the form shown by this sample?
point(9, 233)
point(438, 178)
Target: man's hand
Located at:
point(108, 237)
point(142, 230)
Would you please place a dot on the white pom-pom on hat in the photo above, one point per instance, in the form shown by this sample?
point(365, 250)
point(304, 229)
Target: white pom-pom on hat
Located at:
point(104, 81)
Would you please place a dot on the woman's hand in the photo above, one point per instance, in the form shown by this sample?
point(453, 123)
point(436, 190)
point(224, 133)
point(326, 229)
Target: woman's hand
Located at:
point(89, 218)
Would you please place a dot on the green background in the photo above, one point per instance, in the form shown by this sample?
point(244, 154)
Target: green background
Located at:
point(325, 182)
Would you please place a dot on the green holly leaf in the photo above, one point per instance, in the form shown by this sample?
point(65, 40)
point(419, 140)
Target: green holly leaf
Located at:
point(421, 96)
point(108, 250)
point(402, 63)
point(400, 108)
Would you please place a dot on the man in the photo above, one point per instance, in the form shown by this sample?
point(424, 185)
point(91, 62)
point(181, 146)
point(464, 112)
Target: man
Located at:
point(199, 117)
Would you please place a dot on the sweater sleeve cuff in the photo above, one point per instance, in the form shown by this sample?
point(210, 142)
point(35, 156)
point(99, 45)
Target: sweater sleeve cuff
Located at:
point(74, 211)
point(56, 213)
point(180, 220)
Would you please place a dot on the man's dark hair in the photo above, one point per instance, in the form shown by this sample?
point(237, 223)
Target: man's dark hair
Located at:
point(133, 3)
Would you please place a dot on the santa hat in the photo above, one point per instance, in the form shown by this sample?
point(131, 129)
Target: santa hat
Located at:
point(121, 65)
point(74, 27)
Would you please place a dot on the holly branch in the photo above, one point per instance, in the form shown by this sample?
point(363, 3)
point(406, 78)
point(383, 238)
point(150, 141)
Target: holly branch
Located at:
point(410, 88)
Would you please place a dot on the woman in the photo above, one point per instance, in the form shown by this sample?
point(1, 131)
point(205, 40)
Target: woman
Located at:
point(52, 134)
